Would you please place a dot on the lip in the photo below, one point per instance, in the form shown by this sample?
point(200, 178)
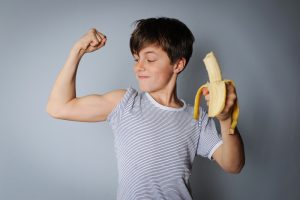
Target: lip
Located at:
point(143, 77)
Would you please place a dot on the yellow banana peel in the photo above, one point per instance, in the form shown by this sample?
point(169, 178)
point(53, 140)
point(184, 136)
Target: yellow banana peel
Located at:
point(217, 92)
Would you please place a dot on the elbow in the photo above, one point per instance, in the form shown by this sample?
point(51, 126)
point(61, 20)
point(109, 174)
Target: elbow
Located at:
point(52, 111)
point(234, 168)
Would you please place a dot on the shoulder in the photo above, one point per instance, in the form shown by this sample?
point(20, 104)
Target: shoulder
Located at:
point(122, 97)
point(115, 95)
point(125, 96)
point(203, 116)
point(191, 109)
point(130, 93)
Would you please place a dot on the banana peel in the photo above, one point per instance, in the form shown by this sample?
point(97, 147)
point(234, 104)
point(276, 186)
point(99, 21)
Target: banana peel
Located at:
point(217, 92)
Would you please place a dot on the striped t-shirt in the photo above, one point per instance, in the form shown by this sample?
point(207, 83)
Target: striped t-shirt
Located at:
point(155, 147)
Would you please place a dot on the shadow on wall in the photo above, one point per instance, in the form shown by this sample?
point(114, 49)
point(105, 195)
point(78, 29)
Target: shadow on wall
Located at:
point(205, 175)
point(256, 123)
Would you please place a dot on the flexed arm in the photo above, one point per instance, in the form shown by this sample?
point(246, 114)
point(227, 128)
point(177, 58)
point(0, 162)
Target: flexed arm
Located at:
point(63, 103)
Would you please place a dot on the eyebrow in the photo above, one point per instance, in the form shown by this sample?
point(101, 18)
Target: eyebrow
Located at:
point(147, 52)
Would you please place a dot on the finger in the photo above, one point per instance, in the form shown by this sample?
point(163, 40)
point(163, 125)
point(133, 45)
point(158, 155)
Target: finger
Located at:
point(98, 37)
point(231, 97)
point(92, 32)
point(205, 91)
point(94, 41)
point(101, 41)
point(231, 93)
point(102, 36)
point(226, 110)
point(229, 103)
point(230, 87)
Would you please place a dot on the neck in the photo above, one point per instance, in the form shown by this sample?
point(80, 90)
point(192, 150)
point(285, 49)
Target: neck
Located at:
point(167, 96)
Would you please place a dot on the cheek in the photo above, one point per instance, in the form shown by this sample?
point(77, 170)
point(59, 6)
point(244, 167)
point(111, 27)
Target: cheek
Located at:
point(162, 68)
point(164, 74)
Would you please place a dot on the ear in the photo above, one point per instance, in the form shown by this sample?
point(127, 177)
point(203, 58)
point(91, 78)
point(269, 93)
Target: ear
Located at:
point(179, 65)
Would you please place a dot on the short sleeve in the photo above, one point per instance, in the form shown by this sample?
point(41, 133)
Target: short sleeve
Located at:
point(209, 139)
point(126, 102)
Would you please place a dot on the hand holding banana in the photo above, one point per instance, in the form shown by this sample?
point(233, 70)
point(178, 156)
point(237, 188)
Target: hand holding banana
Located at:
point(220, 94)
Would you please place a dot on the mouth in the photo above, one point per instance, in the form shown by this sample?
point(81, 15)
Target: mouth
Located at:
point(143, 77)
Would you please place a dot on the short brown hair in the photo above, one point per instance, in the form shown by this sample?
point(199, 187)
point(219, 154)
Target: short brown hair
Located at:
point(173, 36)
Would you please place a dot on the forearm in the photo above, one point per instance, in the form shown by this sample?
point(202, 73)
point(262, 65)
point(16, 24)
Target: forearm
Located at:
point(64, 87)
point(233, 157)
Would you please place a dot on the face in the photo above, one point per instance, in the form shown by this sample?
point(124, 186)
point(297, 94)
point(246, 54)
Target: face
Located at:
point(153, 69)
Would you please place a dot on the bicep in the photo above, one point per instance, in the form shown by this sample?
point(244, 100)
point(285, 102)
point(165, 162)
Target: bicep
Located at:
point(91, 108)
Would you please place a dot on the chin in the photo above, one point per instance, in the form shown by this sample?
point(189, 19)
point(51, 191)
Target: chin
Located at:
point(144, 88)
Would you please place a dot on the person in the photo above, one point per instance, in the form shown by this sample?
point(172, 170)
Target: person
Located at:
point(155, 136)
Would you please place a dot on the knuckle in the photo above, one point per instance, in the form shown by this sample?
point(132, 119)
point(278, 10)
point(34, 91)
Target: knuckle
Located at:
point(233, 96)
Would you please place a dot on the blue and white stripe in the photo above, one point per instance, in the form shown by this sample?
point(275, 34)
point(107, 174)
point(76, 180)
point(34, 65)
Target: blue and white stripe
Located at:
point(155, 146)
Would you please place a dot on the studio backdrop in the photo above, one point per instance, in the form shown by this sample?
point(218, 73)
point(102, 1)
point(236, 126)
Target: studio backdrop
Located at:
point(256, 42)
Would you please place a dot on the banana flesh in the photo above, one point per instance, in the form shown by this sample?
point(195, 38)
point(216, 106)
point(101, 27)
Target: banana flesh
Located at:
point(217, 92)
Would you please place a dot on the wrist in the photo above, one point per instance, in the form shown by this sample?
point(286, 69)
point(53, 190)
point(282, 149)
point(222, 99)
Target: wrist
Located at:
point(77, 50)
point(226, 121)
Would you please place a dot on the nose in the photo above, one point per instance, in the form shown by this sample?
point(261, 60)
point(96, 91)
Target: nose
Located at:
point(139, 66)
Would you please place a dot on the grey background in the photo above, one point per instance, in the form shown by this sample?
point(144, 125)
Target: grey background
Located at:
point(256, 42)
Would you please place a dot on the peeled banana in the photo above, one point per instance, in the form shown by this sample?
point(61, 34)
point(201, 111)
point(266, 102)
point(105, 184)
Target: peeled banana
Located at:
point(217, 92)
